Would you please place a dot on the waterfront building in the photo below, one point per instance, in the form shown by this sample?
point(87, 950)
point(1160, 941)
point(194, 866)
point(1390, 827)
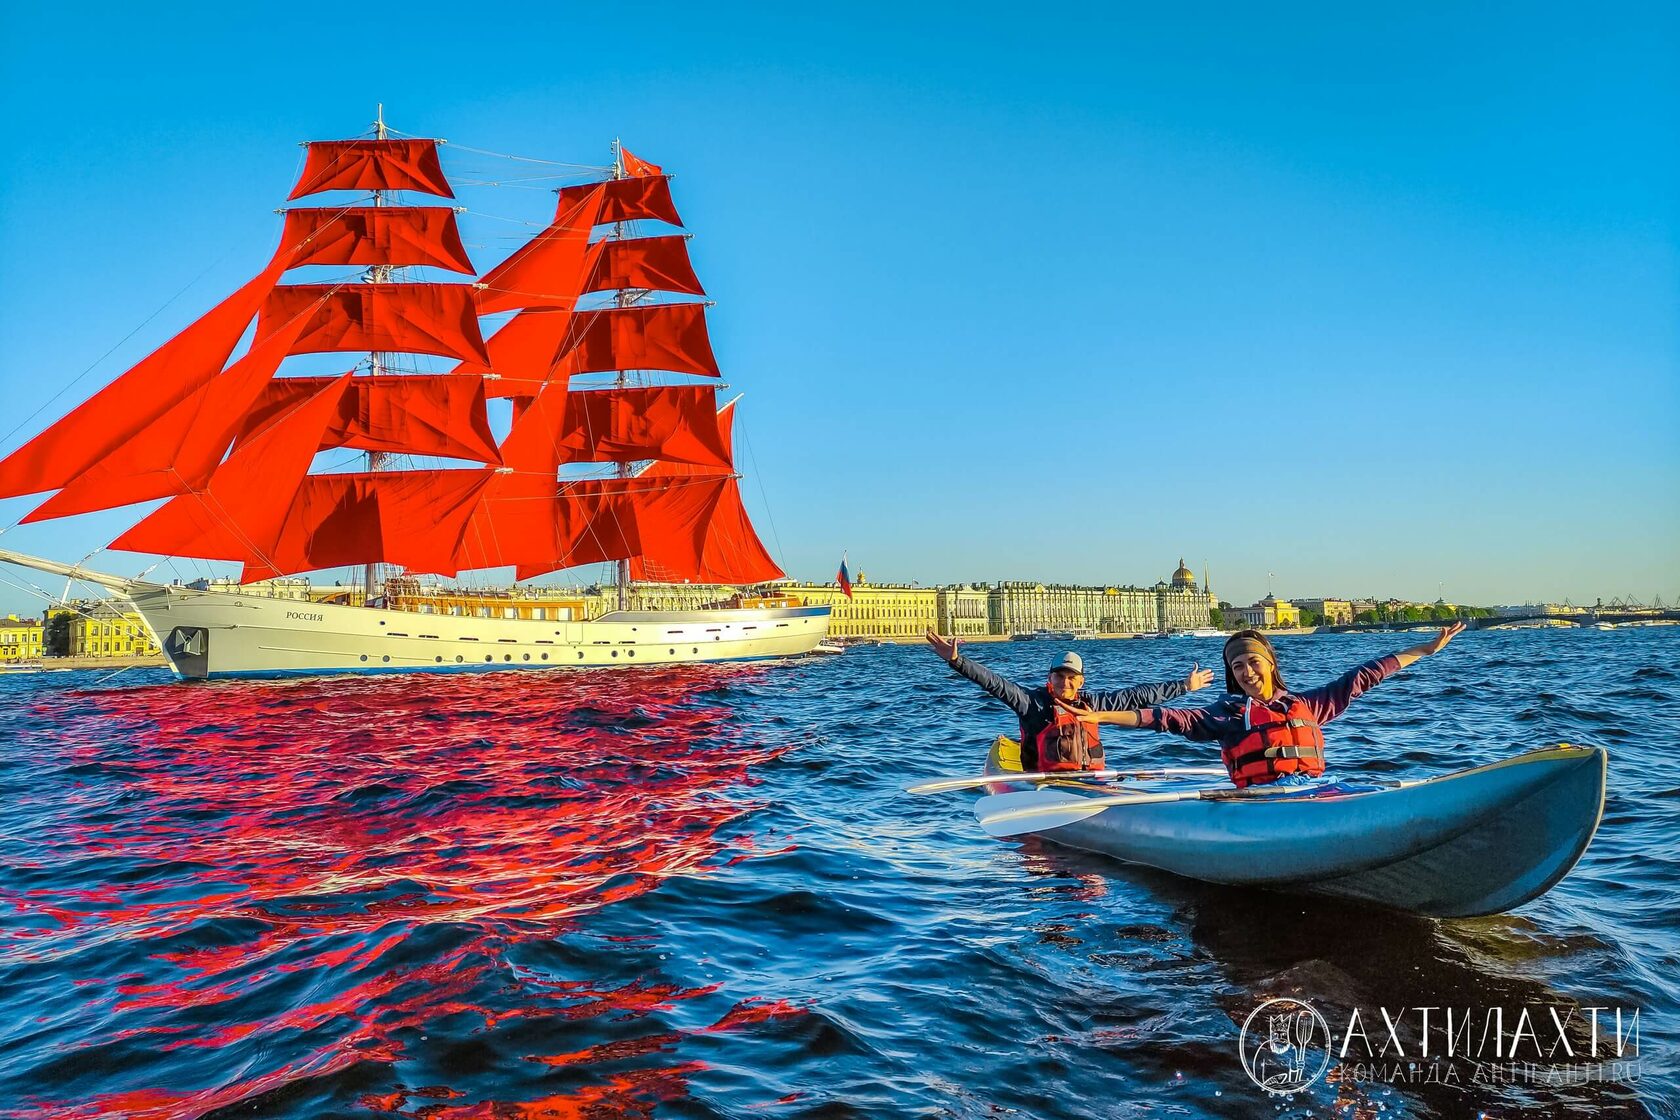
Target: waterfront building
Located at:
point(962, 610)
point(1180, 605)
point(20, 638)
point(1538, 608)
point(1269, 613)
point(875, 610)
point(1334, 612)
point(1018, 607)
point(97, 628)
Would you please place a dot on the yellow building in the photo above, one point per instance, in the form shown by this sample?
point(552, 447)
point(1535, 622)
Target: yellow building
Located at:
point(886, 610)
point(20, 638)
point(100, 629)
point(962, 610)
point(1270, 612)
point(1334, 612)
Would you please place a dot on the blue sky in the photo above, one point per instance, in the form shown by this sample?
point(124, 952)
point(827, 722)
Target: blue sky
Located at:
point(1380, 302)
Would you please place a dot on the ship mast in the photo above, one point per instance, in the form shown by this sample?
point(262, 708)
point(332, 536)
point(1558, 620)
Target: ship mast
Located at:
point(623, 299)
point(376, 274)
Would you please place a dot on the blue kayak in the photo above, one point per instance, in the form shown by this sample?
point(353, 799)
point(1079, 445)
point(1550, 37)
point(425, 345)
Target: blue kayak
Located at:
point(1478, 841)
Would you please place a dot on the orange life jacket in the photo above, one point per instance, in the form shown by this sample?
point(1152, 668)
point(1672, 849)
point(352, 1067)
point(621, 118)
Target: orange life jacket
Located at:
point(1275, 744)
point(1068, 743)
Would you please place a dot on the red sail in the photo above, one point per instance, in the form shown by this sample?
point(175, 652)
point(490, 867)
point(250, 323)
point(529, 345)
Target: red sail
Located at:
point(673, 422)
point(522, 353)
point(537, 346)
point(656, 263)
point(546, 271)
point(673, 519)
point(665, 518)
point(126, 408)
point(419, 414)
point(670, 336)
point(412, 518)
point(240, 513)
point(372, 165)
point(393, 235)
point(731, 552)
point(539, 524)
point(407, 318)
point(634, 165)
point(626, 200)
point(180, 450)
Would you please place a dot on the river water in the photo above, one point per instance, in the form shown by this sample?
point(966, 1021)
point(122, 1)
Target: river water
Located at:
point(702, 892)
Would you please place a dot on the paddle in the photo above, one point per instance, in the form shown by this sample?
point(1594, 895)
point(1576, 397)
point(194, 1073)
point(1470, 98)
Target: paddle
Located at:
point(1034, 810)
point(945, 785)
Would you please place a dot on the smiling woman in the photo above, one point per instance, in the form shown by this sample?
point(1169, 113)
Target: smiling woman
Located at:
point(1265, 732)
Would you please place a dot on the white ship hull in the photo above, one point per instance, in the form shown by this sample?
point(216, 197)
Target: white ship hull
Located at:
point(208, 634)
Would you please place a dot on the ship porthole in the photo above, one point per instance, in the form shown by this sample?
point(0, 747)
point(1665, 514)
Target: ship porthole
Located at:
point(672, 652)
point(386, 659)
point(440, 660)
point(696, 649)
point(632, 653)
point(489, 657)
point(364, 657)
point(580, 655)
point(615, 653)
point(507, 657)
point(459, 659)
point(527, 657)
point(545, 657)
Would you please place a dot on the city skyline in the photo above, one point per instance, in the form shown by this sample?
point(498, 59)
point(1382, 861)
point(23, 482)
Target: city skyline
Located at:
point(1379, 302)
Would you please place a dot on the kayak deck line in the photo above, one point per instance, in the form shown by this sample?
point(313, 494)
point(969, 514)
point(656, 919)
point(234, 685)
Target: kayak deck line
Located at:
point(1476, 841)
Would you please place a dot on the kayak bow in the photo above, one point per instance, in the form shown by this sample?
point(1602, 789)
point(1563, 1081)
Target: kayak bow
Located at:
point(1478, 841)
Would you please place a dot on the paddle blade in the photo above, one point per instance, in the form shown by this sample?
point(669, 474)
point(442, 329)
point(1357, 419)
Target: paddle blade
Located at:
point(946, 785)
point(1015, 814)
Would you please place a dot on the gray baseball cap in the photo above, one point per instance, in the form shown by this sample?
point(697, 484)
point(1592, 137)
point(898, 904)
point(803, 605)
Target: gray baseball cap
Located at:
point(1070, 661)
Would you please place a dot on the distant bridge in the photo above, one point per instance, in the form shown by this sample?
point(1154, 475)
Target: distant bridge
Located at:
point(1585, 618)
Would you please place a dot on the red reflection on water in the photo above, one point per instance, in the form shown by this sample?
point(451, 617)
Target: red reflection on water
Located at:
point(272, 850)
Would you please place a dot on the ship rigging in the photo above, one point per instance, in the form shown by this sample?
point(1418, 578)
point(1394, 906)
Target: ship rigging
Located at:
point(605, 362)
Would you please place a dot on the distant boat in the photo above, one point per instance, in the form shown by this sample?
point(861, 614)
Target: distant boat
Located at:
point(828, 647)
point(1043, 636)
point(1199, 632)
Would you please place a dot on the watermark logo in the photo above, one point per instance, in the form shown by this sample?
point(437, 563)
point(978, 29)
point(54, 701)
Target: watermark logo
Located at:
point(1285, 1046)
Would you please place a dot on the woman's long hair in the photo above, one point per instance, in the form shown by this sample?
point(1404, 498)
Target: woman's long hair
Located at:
point(1231, 684)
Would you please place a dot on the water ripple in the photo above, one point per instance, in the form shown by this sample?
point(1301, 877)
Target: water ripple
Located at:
point(702, 892)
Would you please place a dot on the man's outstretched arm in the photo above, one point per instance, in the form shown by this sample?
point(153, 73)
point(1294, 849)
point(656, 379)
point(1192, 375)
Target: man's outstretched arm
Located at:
point(1009, 692)
point(1150, 695)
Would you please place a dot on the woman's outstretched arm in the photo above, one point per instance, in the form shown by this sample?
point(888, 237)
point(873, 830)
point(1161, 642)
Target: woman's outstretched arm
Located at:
point(1433, 645)
point(1201, 724)
point(1331, 700)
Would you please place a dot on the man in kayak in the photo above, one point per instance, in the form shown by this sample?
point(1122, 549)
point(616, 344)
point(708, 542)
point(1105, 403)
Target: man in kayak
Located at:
point(1057, 731)
point(1265, 732)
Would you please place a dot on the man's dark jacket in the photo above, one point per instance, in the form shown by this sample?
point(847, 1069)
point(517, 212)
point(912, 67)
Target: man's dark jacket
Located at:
point(1037, 710)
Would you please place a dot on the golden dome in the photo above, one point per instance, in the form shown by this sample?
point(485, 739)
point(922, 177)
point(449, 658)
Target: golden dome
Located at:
point(1184, 577)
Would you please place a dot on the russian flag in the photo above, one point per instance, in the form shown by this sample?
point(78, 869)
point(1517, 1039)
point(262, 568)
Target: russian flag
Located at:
point(844, 577)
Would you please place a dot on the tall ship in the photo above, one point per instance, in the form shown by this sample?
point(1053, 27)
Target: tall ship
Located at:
point(615, 450)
